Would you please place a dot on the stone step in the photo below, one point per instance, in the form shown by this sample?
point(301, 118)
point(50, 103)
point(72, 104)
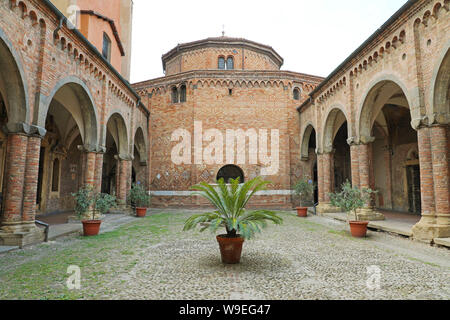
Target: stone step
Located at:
point(442, 242)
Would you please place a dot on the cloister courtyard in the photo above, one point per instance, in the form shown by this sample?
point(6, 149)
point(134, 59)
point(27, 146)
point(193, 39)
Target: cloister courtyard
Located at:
point(152, 258)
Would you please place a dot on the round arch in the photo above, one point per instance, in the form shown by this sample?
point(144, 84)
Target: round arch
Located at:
point(75, 96)
point(231, 172)
point(378, 93)
point(440, 90)
point(140, 144)
point(117, 127)
point(334, 120)
point(12, 84)
point(304, 149)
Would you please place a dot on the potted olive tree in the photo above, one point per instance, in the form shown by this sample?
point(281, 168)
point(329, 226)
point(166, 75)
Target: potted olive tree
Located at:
point(140, 199)
point(350, 200)
point(87, 200)
point(230, 201)
point(304, 189)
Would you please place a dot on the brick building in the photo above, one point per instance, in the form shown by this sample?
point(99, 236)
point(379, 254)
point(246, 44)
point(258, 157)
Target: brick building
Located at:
point(218, 85)
point(69, 117)
point(381, 120)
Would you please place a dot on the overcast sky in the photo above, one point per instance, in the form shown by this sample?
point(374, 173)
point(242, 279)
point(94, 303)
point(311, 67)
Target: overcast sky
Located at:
point(312, 36)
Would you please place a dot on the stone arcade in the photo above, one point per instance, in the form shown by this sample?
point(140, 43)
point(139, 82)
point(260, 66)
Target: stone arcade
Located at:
point(70, 117)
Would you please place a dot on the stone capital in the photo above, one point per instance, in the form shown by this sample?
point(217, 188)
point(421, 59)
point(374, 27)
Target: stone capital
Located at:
point(366, 140)
point(17, 128)
point(430, 120)
point(124, 157)
point(353, 141)
point(87, 148)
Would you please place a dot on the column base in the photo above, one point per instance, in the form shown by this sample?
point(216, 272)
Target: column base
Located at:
point(425, 230)
point(21, 234)
point(367, 214)
point(327, 208)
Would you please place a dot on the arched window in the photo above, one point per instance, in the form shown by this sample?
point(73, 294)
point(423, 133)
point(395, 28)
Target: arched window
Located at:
point(296, 94)
point(174, 95)
point(230, 63)
point(221, 63)
point(55, 176)
point(231, 172)
point(183, 93)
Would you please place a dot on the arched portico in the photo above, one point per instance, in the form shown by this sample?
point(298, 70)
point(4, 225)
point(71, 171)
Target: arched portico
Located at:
point(118, 161)
point(434, 156)
point(333, 159)
point(386, 144)
point(140, 153)
point(67, 157)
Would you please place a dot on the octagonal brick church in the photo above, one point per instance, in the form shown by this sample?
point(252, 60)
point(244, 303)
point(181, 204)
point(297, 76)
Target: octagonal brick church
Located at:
point(224, 109)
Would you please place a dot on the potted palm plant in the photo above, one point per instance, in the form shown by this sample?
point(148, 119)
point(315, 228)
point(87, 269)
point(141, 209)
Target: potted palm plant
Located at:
point(140, 199)
point(304, 189)
point(230, 201)
point(350, 200)
point(87, 200)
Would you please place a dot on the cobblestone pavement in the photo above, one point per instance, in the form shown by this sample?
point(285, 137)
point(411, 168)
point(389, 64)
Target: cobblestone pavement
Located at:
point(151, 258)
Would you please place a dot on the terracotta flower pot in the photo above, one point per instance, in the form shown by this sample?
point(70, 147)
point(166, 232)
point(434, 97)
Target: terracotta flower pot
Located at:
point(230, 249)
point(302, 211)
point(91, 227)
point(358, 228)
point(141, 212)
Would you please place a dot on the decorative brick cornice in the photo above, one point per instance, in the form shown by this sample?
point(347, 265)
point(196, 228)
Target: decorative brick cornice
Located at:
point(232, 77)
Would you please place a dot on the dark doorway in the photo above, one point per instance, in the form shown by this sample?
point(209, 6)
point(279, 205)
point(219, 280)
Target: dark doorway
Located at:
point(342, 161)
point(40, 175)
point(230, 172)
point(414, 197)
point(316, 183)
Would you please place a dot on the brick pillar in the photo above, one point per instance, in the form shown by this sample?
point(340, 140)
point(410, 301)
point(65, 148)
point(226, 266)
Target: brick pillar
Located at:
point(354, 155)
point(89, 171)
point(320, 175)
point(441, 174)
point(123, 180)
point(426, 174)
point(18, 226)
point(327, 180)
point(14, 183)
point(366, 181)
point(98, 172)
point(31, 178)
point(324, 172)
point(434, 183)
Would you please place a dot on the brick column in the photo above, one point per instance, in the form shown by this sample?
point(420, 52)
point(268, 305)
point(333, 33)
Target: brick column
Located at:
point(89, 171)
point(98, 172)
point(324, 172)
point(14, 182)
point(441, 174)
point(354, 155)
point(18, 226)
point(366, 180)
point(434, 183)
point(327, 180)
point(320, 178)
point(31, 178)
point(123, 176)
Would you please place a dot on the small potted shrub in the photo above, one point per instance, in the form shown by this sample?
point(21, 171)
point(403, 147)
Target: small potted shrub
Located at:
point(87, 200)
point(140, 199)
point(104, 202)
point(350, 200)
point(84, 202)
point(230, 201)
point(304, 189)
